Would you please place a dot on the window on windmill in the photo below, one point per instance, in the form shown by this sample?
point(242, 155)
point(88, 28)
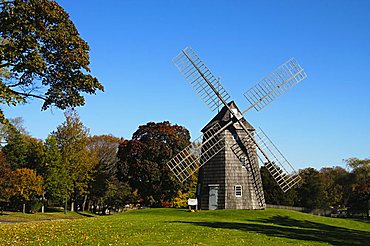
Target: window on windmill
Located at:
point(236, 136)
point(238, 191)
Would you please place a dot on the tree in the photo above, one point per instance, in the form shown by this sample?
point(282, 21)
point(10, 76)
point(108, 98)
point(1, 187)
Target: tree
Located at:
point(15, 124)
point(360, 175)
point(105, 189)
point(15, 150)
point(182, 196)
point(116, 194)
point(140, 174)
point(311, 191)
point(23, 151)
point(273, 193)
point(142, 161)
point(335, 182)
point(42, 56)
point(27, 183)
point(5, 180)
point(55, 177)
point(72, 139)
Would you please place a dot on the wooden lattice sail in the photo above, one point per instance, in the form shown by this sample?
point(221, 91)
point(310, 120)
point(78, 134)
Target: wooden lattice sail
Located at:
point(231, 133)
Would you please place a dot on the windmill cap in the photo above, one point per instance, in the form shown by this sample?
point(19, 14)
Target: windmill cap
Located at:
point(224, 116)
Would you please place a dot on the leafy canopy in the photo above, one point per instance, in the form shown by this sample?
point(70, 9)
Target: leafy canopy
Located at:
point(42, 56)
point(142, 160)
point(78, 162)
point(27, 182)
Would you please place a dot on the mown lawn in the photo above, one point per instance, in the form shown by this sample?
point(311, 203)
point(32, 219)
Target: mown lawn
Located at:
point(12, 217)
point(178, 227)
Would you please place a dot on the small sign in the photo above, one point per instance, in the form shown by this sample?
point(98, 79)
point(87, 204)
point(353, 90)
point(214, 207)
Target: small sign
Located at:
point(192, 202)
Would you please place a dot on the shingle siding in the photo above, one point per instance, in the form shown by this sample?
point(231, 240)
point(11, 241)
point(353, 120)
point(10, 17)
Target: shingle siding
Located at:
point(226, 171)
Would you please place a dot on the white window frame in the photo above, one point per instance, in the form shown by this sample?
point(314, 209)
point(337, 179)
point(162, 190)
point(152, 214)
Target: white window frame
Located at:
point(237, 189)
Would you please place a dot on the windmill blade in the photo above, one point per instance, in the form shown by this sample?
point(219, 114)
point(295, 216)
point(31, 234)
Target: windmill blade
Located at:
point(190, 159)
point(201, 78)
point(278, 166)
point(275, 84)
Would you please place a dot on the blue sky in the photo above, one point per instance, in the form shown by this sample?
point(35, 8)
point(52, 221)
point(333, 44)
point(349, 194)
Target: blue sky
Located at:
point(320, 122)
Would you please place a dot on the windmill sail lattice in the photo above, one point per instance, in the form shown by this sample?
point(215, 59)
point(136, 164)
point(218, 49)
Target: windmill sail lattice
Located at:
point(205, 84)
point(190, 159)
point(275, 84)
point(279, 167)
point(197, 74)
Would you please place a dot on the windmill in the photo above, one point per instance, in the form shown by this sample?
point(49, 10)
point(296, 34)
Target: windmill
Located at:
point(227, 152)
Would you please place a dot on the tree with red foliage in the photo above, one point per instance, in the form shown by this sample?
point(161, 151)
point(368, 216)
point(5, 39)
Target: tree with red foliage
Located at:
point(142, 161)
point(5, 180)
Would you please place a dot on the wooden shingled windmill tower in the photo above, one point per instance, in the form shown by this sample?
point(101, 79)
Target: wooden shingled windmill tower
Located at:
point(227, 154)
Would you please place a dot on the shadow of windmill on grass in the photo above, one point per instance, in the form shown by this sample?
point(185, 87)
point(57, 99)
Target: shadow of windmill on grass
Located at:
point(286, 227)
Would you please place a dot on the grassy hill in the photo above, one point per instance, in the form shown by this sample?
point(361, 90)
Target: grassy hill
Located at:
point(178, 227)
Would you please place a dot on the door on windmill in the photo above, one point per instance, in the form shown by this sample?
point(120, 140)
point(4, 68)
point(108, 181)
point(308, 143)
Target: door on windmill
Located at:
point(213, 197)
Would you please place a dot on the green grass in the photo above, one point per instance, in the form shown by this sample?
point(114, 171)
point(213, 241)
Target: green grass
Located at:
point(12, 217)
point(178, 227)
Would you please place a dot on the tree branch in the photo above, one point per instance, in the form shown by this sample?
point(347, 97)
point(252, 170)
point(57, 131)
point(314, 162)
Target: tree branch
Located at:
point(27, 95)
point(14, 85)
point(5, 65)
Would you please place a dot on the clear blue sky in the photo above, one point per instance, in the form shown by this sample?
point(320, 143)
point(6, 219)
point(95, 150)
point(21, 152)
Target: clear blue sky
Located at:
point(318, 123)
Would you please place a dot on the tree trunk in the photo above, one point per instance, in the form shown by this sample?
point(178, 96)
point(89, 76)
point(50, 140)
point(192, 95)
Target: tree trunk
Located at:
point(72, 206)
point(24, 208)
point(84, 204)
point(65, 206)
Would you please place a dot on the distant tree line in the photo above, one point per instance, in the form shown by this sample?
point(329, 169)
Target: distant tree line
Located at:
point(329, 188)
point(73, 169)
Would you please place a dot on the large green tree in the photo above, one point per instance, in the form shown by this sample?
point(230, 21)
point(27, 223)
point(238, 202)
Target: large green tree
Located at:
point(56, 177)
point(72, 139)
point(336, 184)
point(311, 191)
point(42, 56)
point(24, 151)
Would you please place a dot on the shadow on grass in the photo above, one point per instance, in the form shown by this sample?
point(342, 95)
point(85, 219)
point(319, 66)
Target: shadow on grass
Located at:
point(85, 214)
point(364, 220)
point(286, 227)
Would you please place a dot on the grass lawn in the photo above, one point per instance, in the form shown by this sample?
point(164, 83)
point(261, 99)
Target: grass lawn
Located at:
point(12, 217)
point(178, 227)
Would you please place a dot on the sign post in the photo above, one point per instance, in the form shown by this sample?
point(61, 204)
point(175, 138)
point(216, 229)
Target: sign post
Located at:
point(193, 202)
